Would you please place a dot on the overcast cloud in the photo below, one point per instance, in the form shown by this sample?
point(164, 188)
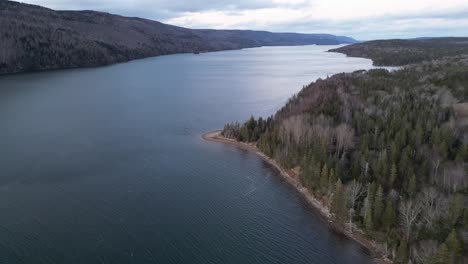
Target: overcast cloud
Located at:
point(361, 19)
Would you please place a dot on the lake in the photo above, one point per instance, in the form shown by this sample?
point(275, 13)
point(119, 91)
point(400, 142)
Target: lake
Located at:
point(106, 165)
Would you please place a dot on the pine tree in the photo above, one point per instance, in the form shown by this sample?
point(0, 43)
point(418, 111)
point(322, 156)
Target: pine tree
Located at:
point(465, 219)
point(338, 207)
point(314, 175)
point(394, 152)
point(442, 256)
point(244, 134)
point(355, 170)
point(418, 134)
point(405, 163)
point(384, 167)
point(332, 179)
point(324, 179)
point(378, 206)
point(393, 176)
point(453, 244)
point(389, 218)
point(305, 173)
point(443, 148)
point(412, 186)
point(456, 208)
point(461, 152)
point(402, 252)
point(367, 208)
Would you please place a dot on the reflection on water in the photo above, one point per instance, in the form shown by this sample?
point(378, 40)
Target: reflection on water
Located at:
point(106, 165)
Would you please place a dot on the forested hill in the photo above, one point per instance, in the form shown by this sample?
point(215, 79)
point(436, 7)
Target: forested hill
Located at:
point(386, 151)
point(36, 38)
point(398, 52)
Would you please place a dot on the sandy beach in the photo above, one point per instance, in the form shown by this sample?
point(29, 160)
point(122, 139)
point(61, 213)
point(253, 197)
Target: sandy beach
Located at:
point(291, 177)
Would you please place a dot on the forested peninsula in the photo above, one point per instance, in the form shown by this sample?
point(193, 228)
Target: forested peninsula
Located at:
point(385, 152)
point(398, 52)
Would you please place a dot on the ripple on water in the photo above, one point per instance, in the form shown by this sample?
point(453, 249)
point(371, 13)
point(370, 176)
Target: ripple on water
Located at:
point(106, 165)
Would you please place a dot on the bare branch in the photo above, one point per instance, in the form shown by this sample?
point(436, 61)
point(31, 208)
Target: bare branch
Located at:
point(409, 212)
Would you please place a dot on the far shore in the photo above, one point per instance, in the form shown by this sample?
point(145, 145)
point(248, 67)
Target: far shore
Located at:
point(291, 177)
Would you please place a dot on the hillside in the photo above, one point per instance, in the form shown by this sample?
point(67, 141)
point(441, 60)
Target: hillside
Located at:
point(397, 52)
point(35, 38)
point(387, 152)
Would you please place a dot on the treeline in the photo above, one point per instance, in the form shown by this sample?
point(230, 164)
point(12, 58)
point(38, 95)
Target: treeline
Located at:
point(386, 151)
point(250, 131)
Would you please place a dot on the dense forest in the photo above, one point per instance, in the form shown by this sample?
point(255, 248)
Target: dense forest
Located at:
point(35, 38)
point(397, 52)
point(387, 152)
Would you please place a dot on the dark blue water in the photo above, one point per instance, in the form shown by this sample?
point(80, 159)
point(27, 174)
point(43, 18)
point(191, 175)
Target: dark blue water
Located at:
point(106, 165)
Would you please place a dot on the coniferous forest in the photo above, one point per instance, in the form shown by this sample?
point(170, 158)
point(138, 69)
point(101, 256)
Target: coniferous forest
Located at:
point(386, 150)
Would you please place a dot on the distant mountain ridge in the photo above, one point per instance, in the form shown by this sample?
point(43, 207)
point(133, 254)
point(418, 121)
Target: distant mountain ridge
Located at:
point(34, 38)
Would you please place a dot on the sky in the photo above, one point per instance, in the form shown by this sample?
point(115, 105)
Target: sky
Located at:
point(360, 19)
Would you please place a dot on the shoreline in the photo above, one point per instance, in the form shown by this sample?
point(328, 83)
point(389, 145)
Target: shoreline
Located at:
point(291, 177)
point(109, 64)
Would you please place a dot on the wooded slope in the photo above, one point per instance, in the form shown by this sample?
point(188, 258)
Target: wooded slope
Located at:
point(36, 38)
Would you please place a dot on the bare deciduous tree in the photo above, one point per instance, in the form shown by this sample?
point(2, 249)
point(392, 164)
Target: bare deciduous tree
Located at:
point(454, 177)
point(293, 128)
point(353, 192)
point(434, 205)
point(424, 250)
point(409, 212)
point(393, 196)
point(297, 129)
point(436, 159)
point(344, 139)
point(346, 107)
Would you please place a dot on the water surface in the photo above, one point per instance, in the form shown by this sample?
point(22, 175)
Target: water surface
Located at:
point(106, 165)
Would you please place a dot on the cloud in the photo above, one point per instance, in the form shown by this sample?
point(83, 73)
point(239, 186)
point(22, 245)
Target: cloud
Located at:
point(362, 19)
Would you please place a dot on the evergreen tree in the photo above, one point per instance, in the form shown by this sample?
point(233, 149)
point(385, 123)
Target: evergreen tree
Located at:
point(465, 219)
point(456, 208)
point(442, 256)
point(338, 206)
point(394, 153)
point(367, 209)
point(389, 218)
point(324, 179)
point(244, 134)
point(332, 179)
point(384, 173)
point(378, 206)
point(402, 252)
point(461, 152)
point(453, 244)
point(412, 186)
point(355, 170)
point(405, 163)
point(314, 174)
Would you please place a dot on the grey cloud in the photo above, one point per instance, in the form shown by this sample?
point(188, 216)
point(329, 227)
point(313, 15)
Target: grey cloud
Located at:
point(161, 9)
point(203, 5)
point(368, 28)
point(383, 27)
point(170, 6)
